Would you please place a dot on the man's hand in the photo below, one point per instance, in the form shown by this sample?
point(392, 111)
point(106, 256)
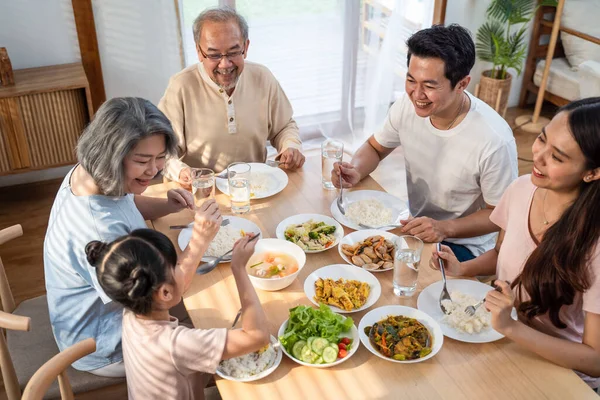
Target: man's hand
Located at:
point(178, 199)
point(291, 159)
point(425, 228)
point(185, 178)
point(350, 176)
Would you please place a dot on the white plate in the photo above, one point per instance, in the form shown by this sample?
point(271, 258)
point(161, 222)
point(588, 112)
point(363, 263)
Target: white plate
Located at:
point(428, 302)
point(302, 218)
point(399, 208)
point(353, 334)
point(380, 313)
point(235, 222)
point(337, 271)
point(277, 183)
point(359, 236)
point(260, 375)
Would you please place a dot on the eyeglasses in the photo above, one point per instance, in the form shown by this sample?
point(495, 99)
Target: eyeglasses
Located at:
point(217, 57)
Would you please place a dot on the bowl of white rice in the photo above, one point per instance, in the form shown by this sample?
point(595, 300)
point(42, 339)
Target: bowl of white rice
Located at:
point(458, 319)
point(225, 238)
point(252, 366)
point(371, 208)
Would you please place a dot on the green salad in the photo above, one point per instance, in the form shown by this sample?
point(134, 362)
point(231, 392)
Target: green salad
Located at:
point(311, 235)
point(315, 335)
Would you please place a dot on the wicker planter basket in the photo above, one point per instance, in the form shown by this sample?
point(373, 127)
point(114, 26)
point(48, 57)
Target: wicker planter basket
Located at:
point(494, 91)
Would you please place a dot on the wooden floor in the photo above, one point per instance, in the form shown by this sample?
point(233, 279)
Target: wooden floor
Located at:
point(29, 205)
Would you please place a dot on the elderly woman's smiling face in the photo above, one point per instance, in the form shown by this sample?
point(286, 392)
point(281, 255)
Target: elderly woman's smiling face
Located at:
point(143, 163)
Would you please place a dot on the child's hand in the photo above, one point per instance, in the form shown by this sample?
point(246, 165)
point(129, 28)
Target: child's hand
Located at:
point(451, 264)
point(500, 304)
point(207, 220)
point(242, 251)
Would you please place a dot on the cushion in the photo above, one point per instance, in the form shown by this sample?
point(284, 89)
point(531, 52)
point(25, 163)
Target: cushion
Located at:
point(589, 79)
point(562, 80)
point(582, 16)
point(30, 350)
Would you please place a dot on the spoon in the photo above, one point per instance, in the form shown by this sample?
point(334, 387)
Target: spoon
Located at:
point(445, 295)
point(209, 266)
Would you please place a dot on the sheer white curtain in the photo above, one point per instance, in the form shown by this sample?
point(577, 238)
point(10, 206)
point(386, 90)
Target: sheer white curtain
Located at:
point(340, 62)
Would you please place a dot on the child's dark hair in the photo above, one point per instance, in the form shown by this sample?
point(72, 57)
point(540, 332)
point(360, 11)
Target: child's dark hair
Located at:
point(452, 44)
point(132, 267)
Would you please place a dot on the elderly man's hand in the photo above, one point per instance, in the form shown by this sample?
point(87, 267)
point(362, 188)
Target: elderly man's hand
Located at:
point(425, 228)
point(291, 159)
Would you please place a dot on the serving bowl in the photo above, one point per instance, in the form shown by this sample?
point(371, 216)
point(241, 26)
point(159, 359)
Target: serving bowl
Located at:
point(278, 246)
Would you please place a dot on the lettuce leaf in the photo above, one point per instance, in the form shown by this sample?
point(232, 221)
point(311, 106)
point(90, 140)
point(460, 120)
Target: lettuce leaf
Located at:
point(306, 321)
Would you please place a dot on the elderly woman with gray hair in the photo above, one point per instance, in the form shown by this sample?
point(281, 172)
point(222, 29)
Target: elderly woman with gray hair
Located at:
point(121, 150)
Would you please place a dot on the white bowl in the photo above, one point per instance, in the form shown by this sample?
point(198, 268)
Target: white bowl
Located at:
point(380, 313)
point(358, 236)
point(277, 347)
point(302, 218)
point(280, 246)
point(347, 272)
point(353, 334)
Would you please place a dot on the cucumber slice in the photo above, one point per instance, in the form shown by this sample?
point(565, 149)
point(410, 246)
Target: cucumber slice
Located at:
point(310, 340)
point(319, 344)
point(296, 350)
point(319, 361)
point(329, 354)
point(307, 355)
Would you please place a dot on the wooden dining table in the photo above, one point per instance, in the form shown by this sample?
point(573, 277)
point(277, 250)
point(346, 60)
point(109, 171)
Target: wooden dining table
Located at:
point(497, 370)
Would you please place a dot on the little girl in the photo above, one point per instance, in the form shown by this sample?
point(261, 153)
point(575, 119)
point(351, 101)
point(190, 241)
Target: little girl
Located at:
point(164, 360)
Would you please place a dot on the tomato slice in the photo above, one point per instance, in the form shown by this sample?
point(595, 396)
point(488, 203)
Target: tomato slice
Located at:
point(345, 340)
point(343, 353)
point(341, 346)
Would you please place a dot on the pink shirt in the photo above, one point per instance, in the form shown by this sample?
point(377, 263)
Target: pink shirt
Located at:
point(166, 361)
point(512, 215)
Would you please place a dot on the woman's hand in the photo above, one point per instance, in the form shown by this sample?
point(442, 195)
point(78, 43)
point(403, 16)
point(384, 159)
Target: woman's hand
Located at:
point(242, 251)
point(350, 176)
point(178, 199)
point(207, 221)
point(452, 266)
point(500, 304)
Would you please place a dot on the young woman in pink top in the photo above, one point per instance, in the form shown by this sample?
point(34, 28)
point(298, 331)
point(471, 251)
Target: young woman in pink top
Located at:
point(164, 360)
point(548, 247)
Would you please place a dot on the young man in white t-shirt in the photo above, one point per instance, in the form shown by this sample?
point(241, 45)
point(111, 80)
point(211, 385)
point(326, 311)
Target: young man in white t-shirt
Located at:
point(460, 154)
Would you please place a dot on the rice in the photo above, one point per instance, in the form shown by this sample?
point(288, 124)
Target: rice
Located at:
point(249, 364)
point(259, 182)
point(369, 212)
point(224, 241)
point(460, 320)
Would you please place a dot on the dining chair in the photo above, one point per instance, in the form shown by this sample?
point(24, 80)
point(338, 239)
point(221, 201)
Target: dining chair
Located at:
point(30, 349)
point(56, 369)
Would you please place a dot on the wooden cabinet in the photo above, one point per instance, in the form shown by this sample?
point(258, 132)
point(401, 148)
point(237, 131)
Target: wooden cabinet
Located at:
point(42, 116)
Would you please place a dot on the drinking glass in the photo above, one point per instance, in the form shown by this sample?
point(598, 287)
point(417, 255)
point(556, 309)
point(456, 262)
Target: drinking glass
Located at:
point(406, 265)
point(331, 152)
point(203, 185)
point(238, 176)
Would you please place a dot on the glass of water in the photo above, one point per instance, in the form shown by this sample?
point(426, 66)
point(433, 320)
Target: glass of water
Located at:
point(331, 152)
point(406, 265)
point(203, 185)
point(238, 176)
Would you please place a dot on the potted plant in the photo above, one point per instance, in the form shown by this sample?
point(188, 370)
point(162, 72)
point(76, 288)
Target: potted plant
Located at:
point(501, 41)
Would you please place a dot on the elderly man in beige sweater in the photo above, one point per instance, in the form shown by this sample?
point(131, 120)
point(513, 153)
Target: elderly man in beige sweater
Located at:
point(222, 115)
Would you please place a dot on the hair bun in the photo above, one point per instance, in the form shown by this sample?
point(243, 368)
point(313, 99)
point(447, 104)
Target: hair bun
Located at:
point(141, 282)
point(94, 250)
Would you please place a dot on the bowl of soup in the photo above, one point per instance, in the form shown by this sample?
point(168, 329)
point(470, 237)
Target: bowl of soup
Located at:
point(275, 264)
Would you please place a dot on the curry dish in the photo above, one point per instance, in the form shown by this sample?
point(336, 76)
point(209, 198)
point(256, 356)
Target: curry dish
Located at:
point(344, 294)
point(400, 338)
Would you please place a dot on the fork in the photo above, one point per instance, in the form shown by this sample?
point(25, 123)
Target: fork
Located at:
point(445, 295)
point(273, 163)
point(380, 227)
point(470, 310)
point(237, 317)
point(340, 199)
point(225, 222)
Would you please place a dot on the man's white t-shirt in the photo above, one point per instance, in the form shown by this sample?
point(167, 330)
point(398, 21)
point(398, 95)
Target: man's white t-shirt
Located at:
point(452, 173)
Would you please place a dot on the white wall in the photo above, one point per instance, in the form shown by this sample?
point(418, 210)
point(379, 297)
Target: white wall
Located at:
point(471, 15)
point(137, 41)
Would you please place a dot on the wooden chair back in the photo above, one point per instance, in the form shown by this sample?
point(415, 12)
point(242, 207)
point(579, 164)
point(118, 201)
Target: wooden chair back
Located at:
point(6, 296)
point(9, 376)
point(55, 368)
